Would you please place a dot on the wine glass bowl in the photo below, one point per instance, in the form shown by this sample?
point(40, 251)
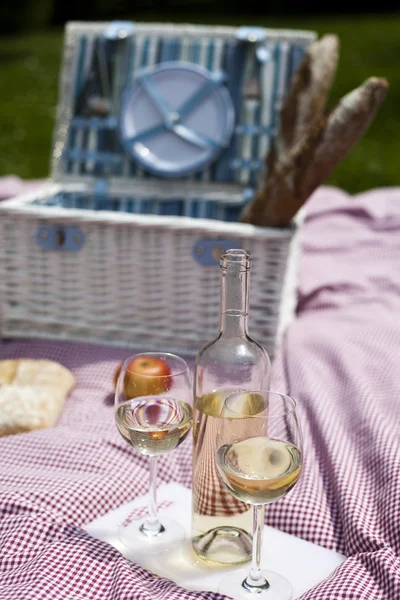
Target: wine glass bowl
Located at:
point(259, 460)
point(152, 402)
point(153, 414)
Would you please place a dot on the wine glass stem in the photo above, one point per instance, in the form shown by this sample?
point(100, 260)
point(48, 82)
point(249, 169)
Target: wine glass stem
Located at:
point(255, 581)
point(152, 525)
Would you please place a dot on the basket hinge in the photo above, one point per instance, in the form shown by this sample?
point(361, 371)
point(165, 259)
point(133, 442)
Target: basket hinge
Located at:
point(119, 30)
point(256, 36)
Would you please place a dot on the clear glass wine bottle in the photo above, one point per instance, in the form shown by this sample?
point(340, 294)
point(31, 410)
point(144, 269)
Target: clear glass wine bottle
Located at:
point(221, 525)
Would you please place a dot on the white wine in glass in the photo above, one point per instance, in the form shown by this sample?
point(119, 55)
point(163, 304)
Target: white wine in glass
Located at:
point(259, 469)
point(154, 425)
point(259, 460)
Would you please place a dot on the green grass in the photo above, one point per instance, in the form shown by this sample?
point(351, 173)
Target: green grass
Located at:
point(370, 45)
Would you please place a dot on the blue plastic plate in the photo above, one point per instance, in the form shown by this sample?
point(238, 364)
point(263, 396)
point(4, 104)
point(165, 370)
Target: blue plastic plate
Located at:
point(176, 118)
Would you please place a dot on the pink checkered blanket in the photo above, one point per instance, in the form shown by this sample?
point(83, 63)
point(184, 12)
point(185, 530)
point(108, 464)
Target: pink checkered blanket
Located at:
point(340, 360)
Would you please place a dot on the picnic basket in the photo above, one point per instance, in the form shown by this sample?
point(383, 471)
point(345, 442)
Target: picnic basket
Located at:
point(122, 247)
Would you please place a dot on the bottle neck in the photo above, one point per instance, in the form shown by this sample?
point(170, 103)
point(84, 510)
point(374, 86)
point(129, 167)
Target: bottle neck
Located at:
point(234, 299)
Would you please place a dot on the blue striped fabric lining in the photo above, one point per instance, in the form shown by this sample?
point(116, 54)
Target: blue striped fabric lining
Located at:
point(141, 52)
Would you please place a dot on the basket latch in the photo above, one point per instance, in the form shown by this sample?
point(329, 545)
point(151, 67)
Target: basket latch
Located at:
point(63, 238)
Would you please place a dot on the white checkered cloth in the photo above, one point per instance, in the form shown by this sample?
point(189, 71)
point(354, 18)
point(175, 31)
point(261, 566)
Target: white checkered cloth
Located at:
point(340, 360)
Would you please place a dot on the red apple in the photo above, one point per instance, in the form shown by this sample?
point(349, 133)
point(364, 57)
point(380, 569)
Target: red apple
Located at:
point(145, 375)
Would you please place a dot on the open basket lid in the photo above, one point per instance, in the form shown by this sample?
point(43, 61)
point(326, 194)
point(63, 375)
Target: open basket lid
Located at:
point(164, 110)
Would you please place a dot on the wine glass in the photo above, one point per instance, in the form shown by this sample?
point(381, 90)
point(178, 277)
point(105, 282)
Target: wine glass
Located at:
point(259, 459)
point(154, 415)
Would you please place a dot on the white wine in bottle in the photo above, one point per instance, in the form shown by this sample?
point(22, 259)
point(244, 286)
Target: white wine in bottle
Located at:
point(221, 524)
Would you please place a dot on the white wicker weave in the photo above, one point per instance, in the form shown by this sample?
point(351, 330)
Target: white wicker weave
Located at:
point(135, 282)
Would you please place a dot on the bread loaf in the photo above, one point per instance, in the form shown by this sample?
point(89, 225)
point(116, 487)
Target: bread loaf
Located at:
point(32, 394)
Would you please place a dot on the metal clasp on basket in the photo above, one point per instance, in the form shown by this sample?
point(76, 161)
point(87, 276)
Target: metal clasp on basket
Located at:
point(60, 237)
point(208, 251)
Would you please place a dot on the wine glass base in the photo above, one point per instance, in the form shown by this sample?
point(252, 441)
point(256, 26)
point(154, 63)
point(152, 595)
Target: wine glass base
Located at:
point(279, 587)
point(137, 541)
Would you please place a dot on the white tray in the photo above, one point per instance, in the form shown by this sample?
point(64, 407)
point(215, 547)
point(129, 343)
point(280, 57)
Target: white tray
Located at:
point(303, 563)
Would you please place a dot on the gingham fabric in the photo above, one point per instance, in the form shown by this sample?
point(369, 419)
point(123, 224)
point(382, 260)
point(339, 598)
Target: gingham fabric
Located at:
point(340, 360)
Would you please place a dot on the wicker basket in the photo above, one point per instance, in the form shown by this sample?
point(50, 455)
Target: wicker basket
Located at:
point(137, 280)
point(76, 263)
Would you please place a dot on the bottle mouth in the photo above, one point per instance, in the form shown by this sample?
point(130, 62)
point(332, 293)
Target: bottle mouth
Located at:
point(236, 258)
